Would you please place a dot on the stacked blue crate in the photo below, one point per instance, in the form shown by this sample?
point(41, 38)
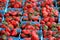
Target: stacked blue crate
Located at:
point(6, 10)
point(56, 7)
point(39, 32)
point(24, 22)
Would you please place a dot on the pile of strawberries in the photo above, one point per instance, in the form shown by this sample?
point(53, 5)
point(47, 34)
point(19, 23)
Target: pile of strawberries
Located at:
point(31, 14)
point(15, 4)
point(10, 24)
point(31, 11)
point(30, 21)
point(50, 26)
point(30, 31)
point(2, 4)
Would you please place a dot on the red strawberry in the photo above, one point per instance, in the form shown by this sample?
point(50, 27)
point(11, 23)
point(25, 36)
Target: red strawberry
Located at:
point(44, 32)
point(13, 13)
point(8, 19)
point(34, 36)
point(22, 35)
point(49, 24)
point(16, 6)
point(3, 31)
point(14, 22)
point(25, 14)
point(4, 1)
point(52, 19)
point(8, 34)
point(14, 33)
point(42, 22)
point(7, 29)
point(46, 19)
point(58, 27)
point(17, 19)
point(26, 31)
point(50, 32)
point(56, 13)
point(0, 19)
point(25, 8)
point(7, 14)
point(3, 26)
point(47, 7)
point(12, 0)
point(38, 25)
point(29, 6)
point(45, 14)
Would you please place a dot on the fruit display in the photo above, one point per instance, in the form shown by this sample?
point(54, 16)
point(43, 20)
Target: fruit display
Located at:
point(11, 24)
point(29, 19)
point(2, 4)
point(31, 11)
point(49, 21)
point(30, 31)
point(15, 4)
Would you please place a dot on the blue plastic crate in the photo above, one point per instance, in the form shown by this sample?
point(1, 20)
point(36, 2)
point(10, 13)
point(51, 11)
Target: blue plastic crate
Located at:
point(56, 7)
point(39, 31)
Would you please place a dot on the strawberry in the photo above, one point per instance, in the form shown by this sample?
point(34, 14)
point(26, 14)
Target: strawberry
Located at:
point(7, 33)
point(12, 0)
point(26, 31)
point(50, 32)
point(0, 19)
point(52, 19)
point(14, 33)
point(34, 36)
point(8, 19)
point(29, 6)
point(58, 27)
point(7, 29)
point(46, 19)
point(25, 14)
point(49, 24)
point(13, 22)
point(10, 25)
point(3, 31)
point(22, 35)
point(42, 22)
point(4, 1)
point(17, 19)
point(13, 13)
point(7, 14)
